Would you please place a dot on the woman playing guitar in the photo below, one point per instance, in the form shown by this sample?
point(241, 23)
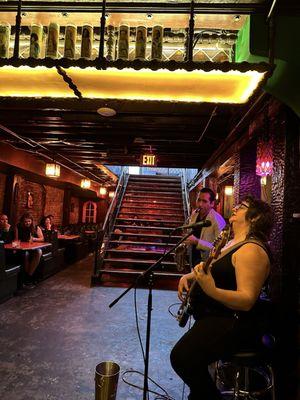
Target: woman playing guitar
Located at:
point(226, 307)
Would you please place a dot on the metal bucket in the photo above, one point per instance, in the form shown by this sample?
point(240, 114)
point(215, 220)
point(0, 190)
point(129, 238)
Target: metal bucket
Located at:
point(106, 380)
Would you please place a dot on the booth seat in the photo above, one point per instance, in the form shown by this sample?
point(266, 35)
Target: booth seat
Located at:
point(76, 250)
point(9, 272)
point(52, 260)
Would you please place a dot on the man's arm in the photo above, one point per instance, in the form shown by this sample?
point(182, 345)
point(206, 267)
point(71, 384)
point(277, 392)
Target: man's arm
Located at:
point(217, 226)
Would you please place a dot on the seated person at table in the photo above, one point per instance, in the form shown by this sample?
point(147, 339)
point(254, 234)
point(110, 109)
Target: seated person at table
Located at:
point(47, 228)
point(27, 232)
point(6, 230)
point(51, 217)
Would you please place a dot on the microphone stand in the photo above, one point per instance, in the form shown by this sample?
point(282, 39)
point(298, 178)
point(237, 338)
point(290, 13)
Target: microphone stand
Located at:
point(149, 275)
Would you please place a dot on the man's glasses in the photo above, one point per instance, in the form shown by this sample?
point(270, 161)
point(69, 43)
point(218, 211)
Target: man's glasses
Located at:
point(241, 205)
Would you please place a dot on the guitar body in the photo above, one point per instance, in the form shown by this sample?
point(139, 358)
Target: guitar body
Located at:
point(183, 314)
point(186, 309)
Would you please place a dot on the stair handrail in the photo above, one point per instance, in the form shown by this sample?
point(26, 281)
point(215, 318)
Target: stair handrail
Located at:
point(119, 189)
point(104, 233)
point(185, 194)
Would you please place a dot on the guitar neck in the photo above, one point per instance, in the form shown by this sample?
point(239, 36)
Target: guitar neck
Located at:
point(205, 269)
point(207, 263)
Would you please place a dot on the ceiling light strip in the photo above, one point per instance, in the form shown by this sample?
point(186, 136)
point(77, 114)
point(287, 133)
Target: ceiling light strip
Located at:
point(229, 83)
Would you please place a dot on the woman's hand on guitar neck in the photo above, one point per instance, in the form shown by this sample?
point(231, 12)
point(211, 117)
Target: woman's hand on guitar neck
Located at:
point(184, 285)
point(206, 281)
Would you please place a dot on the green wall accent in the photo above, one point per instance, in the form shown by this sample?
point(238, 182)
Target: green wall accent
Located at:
point(252, 46)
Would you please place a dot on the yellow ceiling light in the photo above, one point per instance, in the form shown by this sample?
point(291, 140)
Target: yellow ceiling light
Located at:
point(32, 82)
point(52, 170)
point(164, 85)
point(85, 183)
point(228, 190)
point(216, 86)
point(102, 191)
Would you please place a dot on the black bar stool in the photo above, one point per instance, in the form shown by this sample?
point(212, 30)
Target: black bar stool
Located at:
point(245, 367)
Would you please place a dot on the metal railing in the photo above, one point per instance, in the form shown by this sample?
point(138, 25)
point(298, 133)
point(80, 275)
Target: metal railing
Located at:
point(103, 235)
point(185, 194)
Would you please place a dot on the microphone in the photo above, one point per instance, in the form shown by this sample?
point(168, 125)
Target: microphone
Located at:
point(203, 224)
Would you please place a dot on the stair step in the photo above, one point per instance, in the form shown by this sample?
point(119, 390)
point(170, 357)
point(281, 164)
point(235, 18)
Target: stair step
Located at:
point(140, 272)
point(155, 181)
point(113, 277)
point(151, 213)
point(153, 208)
point(159, 186)
point(155, 228)
point(146, 190)
point(128, 242)
point(147, 235)
point(137, 252)
point(152, 221)
point(133, 261)
point(161, 178)
point(168, 197)
point(162, 215)
point(147, 201)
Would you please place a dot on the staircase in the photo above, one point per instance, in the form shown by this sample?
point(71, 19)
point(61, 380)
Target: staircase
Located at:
point(151, 207)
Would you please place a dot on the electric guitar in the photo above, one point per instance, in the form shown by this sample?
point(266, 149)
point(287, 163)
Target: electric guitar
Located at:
point(186, 309)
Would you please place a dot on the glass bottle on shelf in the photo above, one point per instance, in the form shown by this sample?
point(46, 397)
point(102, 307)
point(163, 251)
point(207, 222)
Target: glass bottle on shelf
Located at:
point(87, 41)
point(4, 40)
point(52, 40)
point(123, 42)
point(70, 41)
point(36, 40)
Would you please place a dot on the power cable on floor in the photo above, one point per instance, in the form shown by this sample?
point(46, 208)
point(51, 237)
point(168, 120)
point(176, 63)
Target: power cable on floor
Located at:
point(164, 396)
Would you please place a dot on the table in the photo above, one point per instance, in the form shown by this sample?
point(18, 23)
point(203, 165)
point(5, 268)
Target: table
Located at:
point(24, 246)
point(68, 237)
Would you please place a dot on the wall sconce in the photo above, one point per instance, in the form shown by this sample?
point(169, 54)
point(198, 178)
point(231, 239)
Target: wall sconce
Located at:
point(52, 170)
point(264, 157)
point(263, 180)
point(102, 191)
point(264, 168)
point(228, 190)
point(111, 194)
point(85, 183)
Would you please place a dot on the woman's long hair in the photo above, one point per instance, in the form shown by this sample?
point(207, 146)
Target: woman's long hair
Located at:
point(260, 215)
point(22, 221)
point(261, 218)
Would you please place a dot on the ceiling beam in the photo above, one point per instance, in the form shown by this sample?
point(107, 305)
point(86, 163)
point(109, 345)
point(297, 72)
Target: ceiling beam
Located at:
point(138, 7)
point(32, 147)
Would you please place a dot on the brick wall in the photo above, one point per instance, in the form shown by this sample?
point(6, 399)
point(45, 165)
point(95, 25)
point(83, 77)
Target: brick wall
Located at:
point(54, 203)
point(2, 190)
point(21, 204)
point(45, 200)
point(74, 210)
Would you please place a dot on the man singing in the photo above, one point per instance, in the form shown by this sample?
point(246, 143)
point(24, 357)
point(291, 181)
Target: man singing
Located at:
point(202, 239)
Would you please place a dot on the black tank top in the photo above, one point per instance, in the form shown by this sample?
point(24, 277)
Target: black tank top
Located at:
point(223, 272)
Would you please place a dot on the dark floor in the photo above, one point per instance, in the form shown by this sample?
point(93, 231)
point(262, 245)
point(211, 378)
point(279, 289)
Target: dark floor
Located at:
point(53, 336)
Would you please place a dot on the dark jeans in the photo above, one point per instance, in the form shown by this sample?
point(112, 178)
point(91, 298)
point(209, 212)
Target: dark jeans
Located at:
point(210, 339)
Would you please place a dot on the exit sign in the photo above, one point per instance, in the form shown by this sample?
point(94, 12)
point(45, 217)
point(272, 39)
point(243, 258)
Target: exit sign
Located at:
point(148, 160)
